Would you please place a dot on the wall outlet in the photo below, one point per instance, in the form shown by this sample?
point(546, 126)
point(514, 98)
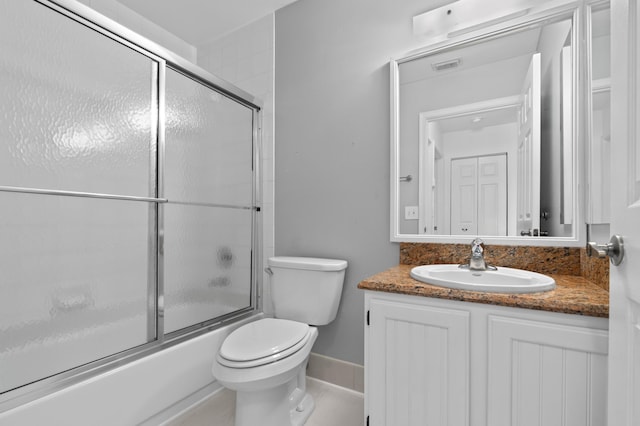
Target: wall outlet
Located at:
point(411, 212)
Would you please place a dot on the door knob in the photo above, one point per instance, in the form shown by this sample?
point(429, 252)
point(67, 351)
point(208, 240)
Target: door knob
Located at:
point(614, 249)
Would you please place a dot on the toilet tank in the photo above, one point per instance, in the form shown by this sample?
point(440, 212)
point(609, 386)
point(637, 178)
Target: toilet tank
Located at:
point(306, 289)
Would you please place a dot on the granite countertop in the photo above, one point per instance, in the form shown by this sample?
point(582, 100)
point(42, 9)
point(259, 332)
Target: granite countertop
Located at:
point(573, 294)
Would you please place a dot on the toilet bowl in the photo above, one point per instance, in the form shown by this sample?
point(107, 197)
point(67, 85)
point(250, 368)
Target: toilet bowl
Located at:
point(265, 361)
point(270, 390)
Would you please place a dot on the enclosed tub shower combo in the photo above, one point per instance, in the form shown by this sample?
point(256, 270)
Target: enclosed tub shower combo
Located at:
point(129, 191)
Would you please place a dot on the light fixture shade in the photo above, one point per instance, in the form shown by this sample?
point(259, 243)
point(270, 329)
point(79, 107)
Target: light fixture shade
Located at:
point(434, 21)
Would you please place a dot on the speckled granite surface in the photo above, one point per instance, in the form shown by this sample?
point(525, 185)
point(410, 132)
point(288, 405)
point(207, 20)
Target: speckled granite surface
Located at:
point(545, 260)
point(573, 294)
point(595, 269)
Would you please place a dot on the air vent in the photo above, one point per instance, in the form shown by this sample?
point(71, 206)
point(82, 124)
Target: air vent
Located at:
point(447, 65)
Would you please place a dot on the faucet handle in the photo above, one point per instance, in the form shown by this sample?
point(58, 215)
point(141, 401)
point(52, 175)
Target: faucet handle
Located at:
point(477, 247)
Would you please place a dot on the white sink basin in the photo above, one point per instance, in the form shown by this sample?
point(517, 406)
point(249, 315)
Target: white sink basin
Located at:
point(504, 280)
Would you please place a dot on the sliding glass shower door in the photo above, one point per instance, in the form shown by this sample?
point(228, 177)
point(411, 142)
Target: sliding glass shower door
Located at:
point(208, 180)
point(77, 132)
point(115, 235)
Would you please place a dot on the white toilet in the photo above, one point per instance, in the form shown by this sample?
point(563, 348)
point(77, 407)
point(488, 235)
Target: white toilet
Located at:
point(265, 361)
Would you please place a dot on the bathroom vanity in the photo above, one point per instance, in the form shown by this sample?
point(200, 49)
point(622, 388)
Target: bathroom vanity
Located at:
point(452, 357)
point(459, 170)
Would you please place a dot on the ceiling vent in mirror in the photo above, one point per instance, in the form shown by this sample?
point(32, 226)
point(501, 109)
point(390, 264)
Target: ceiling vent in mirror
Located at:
point(446, 65)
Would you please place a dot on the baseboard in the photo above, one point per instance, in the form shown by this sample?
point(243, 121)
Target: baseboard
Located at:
point(332, 370)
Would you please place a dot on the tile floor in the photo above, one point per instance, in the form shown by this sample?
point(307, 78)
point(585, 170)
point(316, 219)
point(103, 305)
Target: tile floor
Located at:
point(334, 406)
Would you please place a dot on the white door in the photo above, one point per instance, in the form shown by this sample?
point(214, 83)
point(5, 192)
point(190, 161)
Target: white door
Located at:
point(492, 195)
point(464, 193)
point(624, 321)
point(529, 151)
point(479, 195)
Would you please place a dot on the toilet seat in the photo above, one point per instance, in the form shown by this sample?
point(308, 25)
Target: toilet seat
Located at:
point(262, 342)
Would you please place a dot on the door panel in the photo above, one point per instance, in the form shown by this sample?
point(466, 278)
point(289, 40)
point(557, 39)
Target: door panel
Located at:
point(545, 374)
point(208, 219)
point(78, 114)
point(75, 275)
point(464, 201)
point(624, 350)
point(492, 195)
point(479, 195)
point(420, 357)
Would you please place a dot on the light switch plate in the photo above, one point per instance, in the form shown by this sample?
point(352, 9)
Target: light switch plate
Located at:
point(411, 212)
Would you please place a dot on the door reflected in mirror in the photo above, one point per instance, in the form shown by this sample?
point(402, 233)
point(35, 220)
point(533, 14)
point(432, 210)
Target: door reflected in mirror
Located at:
point(487, 128)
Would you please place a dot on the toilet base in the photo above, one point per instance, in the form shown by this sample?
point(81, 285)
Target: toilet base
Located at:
point(273, 407)
point(301, 413)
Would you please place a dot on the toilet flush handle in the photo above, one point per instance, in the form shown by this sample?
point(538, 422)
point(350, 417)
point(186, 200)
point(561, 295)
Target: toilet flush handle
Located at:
point(268, 270)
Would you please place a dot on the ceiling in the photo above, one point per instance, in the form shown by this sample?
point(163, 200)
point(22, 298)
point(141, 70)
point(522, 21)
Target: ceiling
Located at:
point(200, 21)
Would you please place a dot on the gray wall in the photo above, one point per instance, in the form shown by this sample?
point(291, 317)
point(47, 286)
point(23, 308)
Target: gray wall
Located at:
point(332, 142)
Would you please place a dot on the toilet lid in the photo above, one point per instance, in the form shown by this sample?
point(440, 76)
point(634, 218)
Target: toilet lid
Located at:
point(262, 338)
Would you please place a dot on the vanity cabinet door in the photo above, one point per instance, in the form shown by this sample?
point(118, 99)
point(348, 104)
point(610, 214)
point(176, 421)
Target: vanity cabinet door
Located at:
point(543, 373)
point(418, 365)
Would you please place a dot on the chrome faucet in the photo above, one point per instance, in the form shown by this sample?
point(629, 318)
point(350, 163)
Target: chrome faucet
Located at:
point(476, 261)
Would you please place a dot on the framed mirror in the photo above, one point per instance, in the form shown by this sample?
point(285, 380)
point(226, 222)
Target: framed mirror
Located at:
point(484, 131)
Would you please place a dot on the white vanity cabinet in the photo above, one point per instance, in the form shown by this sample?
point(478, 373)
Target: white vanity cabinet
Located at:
point(434, 362)
point(418, 364)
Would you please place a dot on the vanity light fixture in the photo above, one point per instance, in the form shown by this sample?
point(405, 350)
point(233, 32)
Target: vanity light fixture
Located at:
point(448, 19)
point(435, 20)
point(436, 4)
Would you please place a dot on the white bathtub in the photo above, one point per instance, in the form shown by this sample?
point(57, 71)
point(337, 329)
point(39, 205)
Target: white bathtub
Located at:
point(147, 390)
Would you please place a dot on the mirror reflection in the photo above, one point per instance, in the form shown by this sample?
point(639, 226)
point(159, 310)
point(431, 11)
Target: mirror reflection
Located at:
point(485, 132)
point(599, 211)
